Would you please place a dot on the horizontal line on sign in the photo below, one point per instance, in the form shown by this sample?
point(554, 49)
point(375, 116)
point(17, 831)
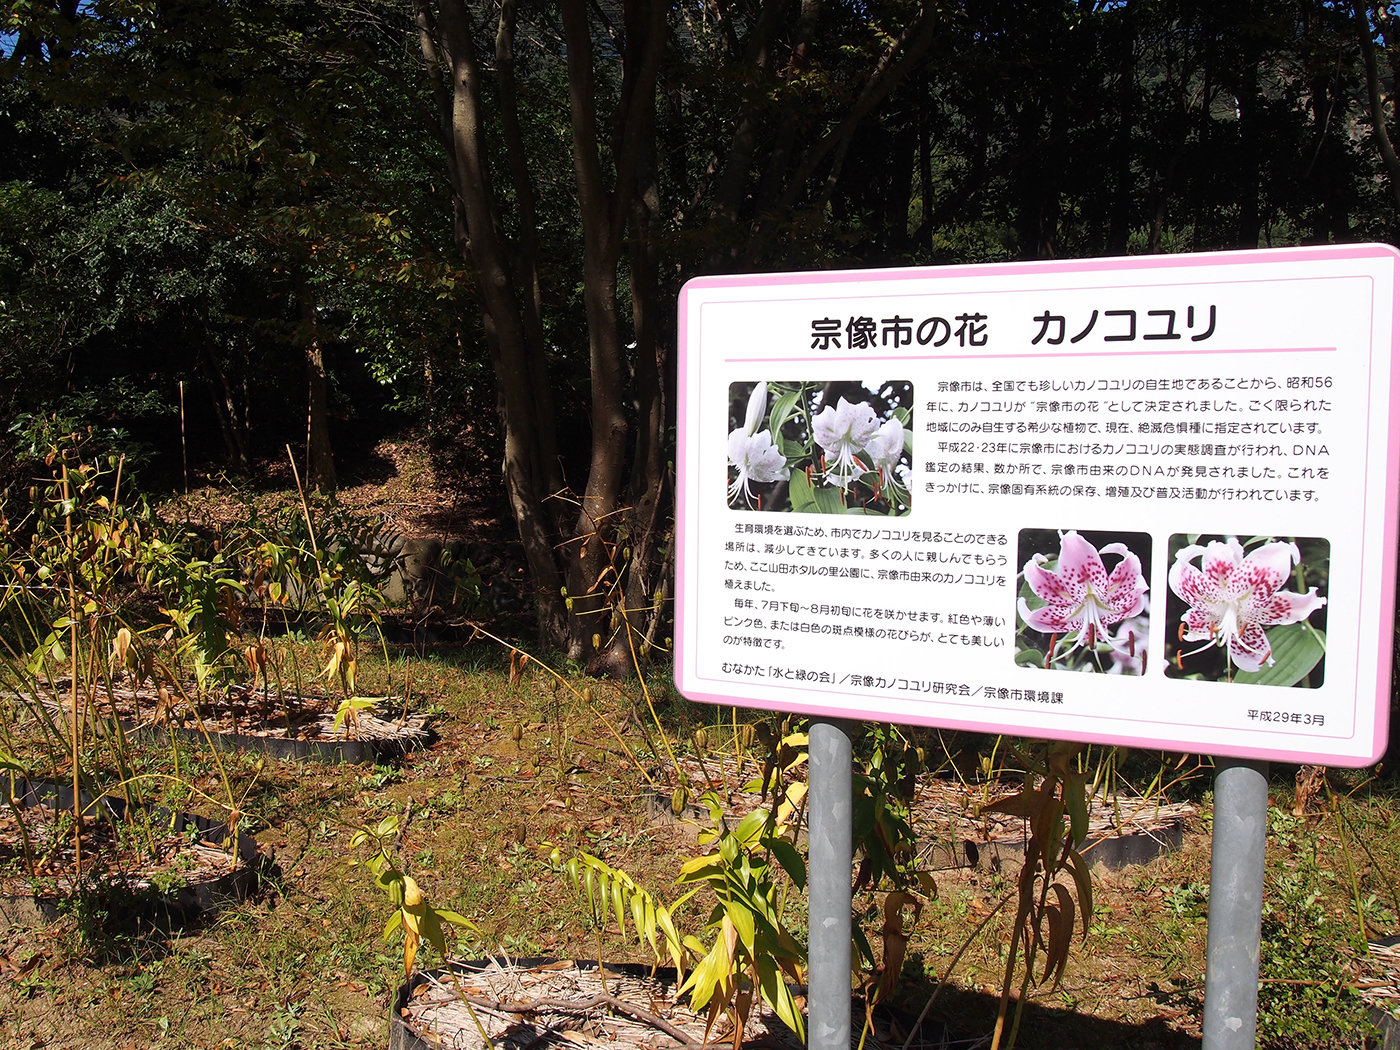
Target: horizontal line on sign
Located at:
point(1072, 353)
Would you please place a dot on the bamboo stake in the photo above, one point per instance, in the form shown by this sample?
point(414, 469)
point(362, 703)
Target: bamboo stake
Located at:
point(73, 678)
point(184, 454)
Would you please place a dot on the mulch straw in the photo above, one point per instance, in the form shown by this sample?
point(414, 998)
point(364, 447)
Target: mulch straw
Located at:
point(1380, 981)
point(135, 859)
point(527, 1007)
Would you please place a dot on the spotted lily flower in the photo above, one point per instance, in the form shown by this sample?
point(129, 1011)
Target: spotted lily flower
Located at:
point(1082, 597)
point(885, 448)
point(842, 432)
point(753, 452)
point(1233, 596)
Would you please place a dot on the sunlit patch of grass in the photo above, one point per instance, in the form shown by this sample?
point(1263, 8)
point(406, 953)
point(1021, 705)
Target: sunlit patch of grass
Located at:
point(522, 766)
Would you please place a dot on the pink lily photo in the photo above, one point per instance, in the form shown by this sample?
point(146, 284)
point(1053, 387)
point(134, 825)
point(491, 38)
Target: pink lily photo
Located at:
point(1251, 611)
point(1083, 601)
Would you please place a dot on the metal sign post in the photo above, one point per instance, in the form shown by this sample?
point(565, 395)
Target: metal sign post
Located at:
point(1150, 502)
point(829, 886)
point(1240, 821)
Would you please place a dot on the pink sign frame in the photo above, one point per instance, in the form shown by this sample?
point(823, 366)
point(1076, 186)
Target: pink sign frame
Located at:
point(1379, 558)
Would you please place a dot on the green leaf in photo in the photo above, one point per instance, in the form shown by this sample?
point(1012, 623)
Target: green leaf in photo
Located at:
point(1030, 658)
point(828, 499)
point(792, 450)
point(1297, 649)
point(783, 409)
point(800, 491)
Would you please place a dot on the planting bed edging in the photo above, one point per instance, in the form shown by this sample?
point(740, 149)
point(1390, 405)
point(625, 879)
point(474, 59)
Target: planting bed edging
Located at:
point(402, 1036)
point(182, 903)
point(776, 1037)
point(1142, 843)
point(332, 752)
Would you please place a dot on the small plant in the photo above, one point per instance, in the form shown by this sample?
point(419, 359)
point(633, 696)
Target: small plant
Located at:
point(1307, 991)
point(414, 917)
point(1057, 817)
point(381, 776)
point(418, 920)
point(611, 891)
point(887, 858)
point(753, 951)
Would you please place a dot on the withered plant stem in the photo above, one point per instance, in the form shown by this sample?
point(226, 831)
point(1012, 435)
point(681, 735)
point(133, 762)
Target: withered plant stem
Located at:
point(213, 753)
point(23, 832)
point(305, 507)
point(646, 693)
point(73, 677)
point(1351, 864)
point(478, 630)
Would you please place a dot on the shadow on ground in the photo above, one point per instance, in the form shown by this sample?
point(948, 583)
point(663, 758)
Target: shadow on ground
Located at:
point(1046, 1027)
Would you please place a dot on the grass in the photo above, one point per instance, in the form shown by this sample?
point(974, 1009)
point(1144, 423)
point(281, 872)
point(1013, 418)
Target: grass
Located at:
point(303, 965)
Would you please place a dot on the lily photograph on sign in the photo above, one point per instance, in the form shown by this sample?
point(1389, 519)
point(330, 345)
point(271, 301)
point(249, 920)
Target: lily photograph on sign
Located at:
point(1252, 610)
point(1083, 600)
point(835, 447)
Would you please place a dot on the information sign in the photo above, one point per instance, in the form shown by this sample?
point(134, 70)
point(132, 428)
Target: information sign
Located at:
point(1148, 501)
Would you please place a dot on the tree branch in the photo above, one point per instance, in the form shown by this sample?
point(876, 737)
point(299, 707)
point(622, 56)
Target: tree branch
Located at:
point(892, 68)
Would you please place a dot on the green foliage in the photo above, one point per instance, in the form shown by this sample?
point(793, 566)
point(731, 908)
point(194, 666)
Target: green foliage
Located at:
point(882, 824)
point(1306, 998)
point(612, 892)
point(1053, 800)
point(753, 948)
point(414, 917)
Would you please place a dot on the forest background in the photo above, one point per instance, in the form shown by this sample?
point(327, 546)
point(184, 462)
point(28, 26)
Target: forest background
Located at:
point(272, 222)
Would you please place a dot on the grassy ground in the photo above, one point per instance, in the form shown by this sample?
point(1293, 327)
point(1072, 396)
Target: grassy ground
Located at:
point(303, 964)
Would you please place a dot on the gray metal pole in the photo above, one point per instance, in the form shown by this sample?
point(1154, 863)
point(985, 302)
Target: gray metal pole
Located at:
point(1236, 903)
point(829, 886)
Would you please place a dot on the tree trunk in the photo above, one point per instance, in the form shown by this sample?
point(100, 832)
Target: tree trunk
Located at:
point(526, 433)
point(1380, 132)
point(232, 426)
point(599, 552)
point(1120, 216)
point(594, 557)
point(1250, 101)
point(646, 583)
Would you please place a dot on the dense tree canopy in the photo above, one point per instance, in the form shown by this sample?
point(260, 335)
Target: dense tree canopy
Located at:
point(310, 210)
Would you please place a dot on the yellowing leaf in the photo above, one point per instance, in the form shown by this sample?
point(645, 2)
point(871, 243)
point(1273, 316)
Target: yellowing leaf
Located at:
point(743, 923)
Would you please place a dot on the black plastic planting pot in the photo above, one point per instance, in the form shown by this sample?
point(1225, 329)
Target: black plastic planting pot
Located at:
point(333, 752)
point(178, 904)
point(1389, 1026)
point(1127, 848)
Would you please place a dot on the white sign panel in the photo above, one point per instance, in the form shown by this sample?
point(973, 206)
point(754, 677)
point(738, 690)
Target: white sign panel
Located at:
point(1148, 501)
